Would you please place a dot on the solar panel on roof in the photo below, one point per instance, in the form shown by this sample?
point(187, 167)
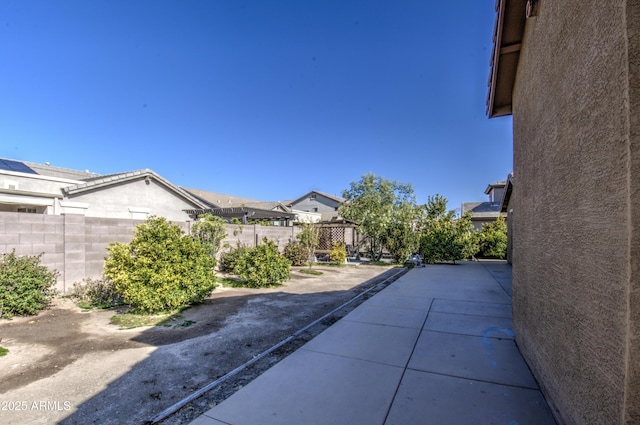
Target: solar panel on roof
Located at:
point(9, 165)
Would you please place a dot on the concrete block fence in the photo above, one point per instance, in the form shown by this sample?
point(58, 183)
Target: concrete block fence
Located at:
point(75, 245)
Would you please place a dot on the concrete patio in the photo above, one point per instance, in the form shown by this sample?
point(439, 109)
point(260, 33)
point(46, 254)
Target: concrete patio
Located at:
point(434, 347)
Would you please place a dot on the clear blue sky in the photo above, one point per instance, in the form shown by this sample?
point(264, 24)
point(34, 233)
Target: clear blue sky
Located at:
point(265, 99)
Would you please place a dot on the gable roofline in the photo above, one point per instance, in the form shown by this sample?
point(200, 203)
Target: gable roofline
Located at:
point(496, 185)
point(507, 41)
point(326, 195)
point(106, 181)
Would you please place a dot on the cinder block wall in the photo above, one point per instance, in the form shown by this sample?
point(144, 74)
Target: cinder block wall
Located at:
point(576, 254)
point(75, 245)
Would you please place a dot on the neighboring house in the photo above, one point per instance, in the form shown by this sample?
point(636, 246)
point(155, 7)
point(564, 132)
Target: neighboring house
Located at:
point(569, 72)
point(42, 189)
point(318, 202)
point(486, 212)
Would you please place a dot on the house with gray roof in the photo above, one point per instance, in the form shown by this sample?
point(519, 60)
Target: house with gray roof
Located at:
point(318, 202)
point(42, 189)
point(245, 209)
point(487, 211)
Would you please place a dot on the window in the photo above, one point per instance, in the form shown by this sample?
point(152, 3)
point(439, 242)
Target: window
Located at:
point(27, 210)
point(312, 197)
point(315, 209)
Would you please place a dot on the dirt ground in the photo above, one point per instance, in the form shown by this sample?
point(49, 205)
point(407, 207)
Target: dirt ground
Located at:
point(72, 366)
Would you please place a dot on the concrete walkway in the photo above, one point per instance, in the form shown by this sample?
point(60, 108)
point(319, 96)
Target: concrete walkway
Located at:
point(434, 347)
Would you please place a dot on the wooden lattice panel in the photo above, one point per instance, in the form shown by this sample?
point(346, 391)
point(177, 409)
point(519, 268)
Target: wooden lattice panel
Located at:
point(329, 235)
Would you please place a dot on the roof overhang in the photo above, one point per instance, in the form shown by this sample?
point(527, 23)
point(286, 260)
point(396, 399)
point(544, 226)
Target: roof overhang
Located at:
point(506, 196)
point(20, 199)
point(507, 42)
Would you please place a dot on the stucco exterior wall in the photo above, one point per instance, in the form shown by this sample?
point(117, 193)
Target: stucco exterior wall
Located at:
point(575, 247)
point(632, 384)
point(322, 203)
point(34, 183)
point(123, 200)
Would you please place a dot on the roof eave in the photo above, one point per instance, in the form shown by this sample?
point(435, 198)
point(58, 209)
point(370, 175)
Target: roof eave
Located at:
point(507, 42)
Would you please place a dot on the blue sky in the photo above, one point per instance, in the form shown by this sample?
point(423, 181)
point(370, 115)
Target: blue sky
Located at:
point(259, 99)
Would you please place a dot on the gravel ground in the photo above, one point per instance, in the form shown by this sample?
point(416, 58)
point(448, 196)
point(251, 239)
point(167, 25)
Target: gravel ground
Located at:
point(73, 367)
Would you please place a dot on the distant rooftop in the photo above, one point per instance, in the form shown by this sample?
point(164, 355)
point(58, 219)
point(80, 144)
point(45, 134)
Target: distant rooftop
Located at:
point(481, 209)
point(65, 173)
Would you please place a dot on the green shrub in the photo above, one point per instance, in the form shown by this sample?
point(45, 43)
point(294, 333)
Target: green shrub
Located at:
point(161, 268)
point(96, 293)
point(228, 260)
point(26, 286)
point(493, 239)
point(447, 239)
point(3, 351)
point(263, 265)
point(338, 253)
point(296, 253)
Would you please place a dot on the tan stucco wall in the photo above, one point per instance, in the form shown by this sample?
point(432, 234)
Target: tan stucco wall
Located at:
point(632, 396)
point(576, 257)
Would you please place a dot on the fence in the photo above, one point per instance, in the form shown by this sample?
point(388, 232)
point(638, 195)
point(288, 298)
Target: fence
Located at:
point(75, 245)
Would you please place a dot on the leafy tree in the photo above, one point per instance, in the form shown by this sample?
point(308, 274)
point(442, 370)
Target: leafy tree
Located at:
point(401, 237)
point(375, 203)
point(443, 237)
point(161, 268)
point(210, 230)
point(309, 238)
point(493, 239)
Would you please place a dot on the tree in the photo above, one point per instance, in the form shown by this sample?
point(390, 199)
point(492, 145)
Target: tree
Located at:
point(493, 239)
point(210, 230)
point(309, 238)
point(375, 203)
point(401, 237)
point(443, 237)
point(161, 268)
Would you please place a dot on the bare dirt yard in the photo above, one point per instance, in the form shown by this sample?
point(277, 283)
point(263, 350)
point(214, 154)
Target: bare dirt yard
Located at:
point(72, 366)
